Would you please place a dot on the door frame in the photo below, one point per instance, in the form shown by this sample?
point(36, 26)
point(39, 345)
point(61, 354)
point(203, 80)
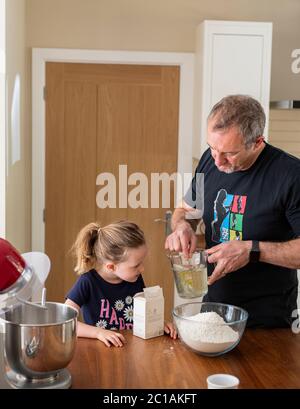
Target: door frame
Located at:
point(40, 56)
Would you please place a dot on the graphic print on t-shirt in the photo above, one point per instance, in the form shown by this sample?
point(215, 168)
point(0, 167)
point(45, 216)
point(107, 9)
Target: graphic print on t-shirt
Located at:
point(228, 217)
point(117, 316)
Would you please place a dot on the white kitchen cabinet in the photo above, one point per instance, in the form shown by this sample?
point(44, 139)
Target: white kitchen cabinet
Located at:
point(232, 57)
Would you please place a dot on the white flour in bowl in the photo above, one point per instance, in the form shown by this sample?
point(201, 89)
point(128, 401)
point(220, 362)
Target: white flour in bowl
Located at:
point(207, 332)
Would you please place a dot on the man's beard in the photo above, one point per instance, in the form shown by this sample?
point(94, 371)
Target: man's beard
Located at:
point(227, 170)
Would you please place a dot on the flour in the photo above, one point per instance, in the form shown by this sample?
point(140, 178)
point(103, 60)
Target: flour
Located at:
point(207, 332)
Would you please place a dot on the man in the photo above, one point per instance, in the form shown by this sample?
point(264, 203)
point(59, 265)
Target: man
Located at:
point(251, 215)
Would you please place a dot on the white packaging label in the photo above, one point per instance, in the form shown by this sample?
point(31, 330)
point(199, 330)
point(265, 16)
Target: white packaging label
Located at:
point(148, 313)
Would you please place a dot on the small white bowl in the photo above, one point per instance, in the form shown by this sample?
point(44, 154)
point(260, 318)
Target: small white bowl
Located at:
point(222, 381)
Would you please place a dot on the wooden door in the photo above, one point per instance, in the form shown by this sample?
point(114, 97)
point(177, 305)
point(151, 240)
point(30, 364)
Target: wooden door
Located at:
point(99, 116)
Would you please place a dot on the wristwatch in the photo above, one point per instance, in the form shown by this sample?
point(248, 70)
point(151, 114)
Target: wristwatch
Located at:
point(254, 252)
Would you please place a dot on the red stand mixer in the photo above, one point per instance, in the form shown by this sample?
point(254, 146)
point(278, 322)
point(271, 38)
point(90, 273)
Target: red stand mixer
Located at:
point(37, 339)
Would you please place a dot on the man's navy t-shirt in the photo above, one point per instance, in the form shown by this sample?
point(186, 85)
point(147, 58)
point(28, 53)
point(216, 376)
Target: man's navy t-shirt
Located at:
point(261, 203)
point(105, 305)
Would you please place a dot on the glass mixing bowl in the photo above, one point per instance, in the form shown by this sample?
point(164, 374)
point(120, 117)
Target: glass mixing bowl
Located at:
point(209, 328)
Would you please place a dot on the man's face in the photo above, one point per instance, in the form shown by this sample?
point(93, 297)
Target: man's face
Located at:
point(229, 151)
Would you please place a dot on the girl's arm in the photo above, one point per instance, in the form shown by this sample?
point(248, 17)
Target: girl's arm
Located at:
point(89, 331)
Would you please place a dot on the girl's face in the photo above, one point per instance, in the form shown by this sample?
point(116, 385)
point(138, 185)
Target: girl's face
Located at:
point(133, 266)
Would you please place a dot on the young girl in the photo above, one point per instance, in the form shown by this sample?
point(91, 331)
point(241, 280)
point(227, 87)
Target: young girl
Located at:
point(110, 260)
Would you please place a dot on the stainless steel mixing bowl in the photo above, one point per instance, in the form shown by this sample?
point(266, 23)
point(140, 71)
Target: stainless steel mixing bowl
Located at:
point(39, 342)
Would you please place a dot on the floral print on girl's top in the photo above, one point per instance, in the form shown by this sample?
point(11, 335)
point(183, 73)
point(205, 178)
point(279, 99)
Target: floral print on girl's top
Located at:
point(105, 305)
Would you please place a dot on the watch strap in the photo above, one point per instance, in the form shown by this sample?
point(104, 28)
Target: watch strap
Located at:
point(255, 252)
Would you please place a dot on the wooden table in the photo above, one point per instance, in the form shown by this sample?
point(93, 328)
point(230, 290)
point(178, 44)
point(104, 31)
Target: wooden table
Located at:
point(263, 359)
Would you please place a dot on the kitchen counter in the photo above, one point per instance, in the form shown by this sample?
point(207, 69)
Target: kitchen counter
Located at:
point(263, 359)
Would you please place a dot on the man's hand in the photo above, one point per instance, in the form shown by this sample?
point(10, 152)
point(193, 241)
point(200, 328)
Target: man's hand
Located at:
point(182, 239)
point(228, 257)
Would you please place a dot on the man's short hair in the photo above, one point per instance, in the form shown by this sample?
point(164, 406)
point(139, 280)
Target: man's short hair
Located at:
point(242, 111)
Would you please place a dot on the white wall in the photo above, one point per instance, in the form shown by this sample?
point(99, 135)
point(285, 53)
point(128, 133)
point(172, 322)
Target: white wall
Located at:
point(163, 25)
point(2, 119)
point(18, 182)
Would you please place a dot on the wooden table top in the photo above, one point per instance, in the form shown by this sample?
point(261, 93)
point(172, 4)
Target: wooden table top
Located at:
point(263, 359)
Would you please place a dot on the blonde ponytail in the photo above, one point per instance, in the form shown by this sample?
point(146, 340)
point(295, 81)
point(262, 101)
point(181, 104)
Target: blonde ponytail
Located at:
point(95, 244)
point(84, 248)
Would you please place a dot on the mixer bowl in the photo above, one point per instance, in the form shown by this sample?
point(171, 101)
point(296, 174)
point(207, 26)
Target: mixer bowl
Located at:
point(39, 342)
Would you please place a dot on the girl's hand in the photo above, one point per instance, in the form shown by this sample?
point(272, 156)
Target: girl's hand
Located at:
point(110, 337)
point(170, 329)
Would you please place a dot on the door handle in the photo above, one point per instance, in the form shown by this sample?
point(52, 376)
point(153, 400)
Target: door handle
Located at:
point(167, 221)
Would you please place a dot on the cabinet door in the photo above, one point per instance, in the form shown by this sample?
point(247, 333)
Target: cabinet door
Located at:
point(236, 66)
point(232, 58)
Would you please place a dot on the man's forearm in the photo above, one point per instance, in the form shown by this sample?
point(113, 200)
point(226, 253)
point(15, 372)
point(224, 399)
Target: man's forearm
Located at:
point(179, 217)
point(285, 254)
